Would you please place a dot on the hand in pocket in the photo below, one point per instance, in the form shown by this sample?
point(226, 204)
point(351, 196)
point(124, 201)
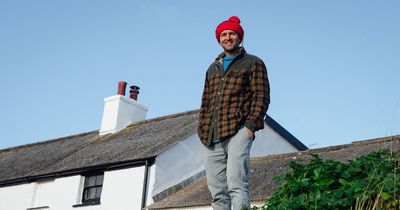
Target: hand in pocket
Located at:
point(250, 133)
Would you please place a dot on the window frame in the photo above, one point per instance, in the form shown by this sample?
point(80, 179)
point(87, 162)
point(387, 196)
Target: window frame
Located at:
point(87, 187)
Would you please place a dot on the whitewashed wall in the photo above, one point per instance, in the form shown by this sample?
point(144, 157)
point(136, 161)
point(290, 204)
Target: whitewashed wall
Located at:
point(269, 142)
point(177, 164)
point(16, 197)
point(122, 190)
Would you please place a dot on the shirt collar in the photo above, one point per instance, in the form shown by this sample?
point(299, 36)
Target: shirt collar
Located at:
point(242, 51)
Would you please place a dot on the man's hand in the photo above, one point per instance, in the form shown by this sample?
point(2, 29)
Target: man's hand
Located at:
point(250, 133)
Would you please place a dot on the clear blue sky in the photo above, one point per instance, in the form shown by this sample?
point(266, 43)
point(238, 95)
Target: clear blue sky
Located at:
point(333, 65)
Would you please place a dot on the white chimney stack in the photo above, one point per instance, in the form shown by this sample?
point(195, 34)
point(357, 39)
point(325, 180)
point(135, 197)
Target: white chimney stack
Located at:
point(120, 111)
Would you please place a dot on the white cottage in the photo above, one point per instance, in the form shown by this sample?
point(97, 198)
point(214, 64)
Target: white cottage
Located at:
point(130, 163)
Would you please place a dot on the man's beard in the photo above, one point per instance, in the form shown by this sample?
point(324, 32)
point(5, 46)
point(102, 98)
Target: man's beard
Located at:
point(235, 49)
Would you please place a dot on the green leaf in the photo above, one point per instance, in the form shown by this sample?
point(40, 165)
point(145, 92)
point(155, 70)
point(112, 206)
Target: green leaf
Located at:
point(343, 182)
point(385, 195)
point(304, 181)
point(317, 173)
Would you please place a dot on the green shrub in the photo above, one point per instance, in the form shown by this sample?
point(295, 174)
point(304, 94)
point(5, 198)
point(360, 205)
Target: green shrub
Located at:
point(367, 182)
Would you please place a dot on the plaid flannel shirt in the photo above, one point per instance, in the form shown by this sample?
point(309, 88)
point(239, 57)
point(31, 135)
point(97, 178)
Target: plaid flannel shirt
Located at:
point(235, 98)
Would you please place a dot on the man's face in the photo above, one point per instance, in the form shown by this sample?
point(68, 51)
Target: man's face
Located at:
point(229, 40)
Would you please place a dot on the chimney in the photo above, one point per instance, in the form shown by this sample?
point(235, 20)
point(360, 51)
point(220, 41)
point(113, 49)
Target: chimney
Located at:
point(121, 88)
point(120, 111)
point(134, 92)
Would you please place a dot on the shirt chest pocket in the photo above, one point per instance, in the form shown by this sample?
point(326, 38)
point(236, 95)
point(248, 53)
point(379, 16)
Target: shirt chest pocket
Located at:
point(236, 81)
point(214, 81)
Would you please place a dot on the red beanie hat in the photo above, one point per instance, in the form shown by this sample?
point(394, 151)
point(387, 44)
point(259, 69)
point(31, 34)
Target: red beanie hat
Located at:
point(233, 23)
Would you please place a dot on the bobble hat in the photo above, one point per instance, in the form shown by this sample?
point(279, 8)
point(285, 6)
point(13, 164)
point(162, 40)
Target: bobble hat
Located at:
point(233, 23)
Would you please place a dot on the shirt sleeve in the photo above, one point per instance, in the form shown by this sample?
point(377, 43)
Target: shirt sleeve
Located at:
point(260, 99)
point(205, 100)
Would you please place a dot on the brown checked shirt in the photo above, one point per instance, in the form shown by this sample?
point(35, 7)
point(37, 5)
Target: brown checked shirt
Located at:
point(235, 98)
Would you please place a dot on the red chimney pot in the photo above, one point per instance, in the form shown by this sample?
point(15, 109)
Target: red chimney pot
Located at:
point(134, 92)
point(121, 87)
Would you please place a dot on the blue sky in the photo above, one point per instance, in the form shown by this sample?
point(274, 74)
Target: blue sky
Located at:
point(333, 65)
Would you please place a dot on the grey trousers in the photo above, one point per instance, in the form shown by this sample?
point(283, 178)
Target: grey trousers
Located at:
point(227, 166)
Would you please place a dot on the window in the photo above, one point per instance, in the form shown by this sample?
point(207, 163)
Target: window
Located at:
point(92, 188)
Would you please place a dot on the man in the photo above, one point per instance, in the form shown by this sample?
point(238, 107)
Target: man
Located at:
point(234, 102)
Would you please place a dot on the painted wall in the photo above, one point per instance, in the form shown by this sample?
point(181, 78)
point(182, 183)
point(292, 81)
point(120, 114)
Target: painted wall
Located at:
point(16, 197)
point(177, 164)
point(122, 190)
point(269, 142)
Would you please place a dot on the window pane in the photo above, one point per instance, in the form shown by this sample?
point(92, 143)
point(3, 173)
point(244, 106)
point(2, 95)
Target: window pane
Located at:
point(98, 192)
point(99, 180)
point(86, 181)
point(90, 193)
point(92, 181)
point(85, 194)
